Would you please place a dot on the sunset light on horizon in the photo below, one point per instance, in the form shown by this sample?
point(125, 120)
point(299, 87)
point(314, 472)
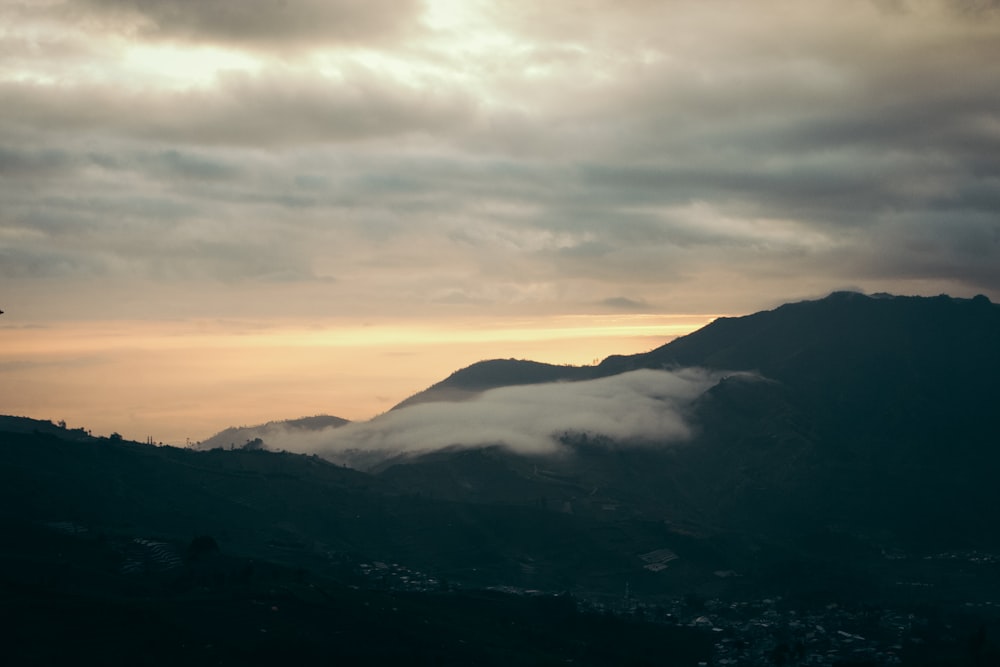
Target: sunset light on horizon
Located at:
point(229, 212)
point(181, 381)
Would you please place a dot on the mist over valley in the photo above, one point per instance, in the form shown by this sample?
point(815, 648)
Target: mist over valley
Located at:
point(831, 459)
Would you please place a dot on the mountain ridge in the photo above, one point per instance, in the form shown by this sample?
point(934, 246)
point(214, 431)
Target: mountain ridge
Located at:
point(257, 436)
point(687, 350)
point(885, 397)
point(842, 469)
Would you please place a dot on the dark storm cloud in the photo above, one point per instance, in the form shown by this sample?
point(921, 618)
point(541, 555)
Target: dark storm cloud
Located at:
point(286, 23)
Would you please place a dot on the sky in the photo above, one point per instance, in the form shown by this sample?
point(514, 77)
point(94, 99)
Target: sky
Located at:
point(224, 212)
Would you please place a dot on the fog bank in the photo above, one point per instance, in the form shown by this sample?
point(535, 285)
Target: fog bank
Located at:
point(644, 407)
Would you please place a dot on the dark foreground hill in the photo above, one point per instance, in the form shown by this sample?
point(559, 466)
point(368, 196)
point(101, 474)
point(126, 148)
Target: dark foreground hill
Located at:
point(66, 599)
point(307, 512)
point(119, 553)
point(113, 552)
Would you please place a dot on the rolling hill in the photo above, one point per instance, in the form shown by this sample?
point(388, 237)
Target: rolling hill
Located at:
point(263, 435)
point(844, 458)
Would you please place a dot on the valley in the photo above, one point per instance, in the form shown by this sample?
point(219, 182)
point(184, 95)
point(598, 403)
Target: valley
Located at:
point(833, 503)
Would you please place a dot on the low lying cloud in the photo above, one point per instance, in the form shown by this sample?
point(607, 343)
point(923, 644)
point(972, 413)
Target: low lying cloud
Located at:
point(644, 407)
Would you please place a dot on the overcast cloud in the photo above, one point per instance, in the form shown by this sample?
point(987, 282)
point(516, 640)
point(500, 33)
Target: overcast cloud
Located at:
point(254, 23)
point(558, 156)
point(460, 167)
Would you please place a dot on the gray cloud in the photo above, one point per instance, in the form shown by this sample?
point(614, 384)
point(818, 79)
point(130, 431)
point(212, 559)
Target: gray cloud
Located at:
point(37, 164)
point(286, 23)
point(641, 408)
point(625, 303)
point(683, 154)
point(267, 109)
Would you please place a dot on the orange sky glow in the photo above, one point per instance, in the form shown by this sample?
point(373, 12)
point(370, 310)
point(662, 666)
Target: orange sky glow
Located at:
point(177, 381)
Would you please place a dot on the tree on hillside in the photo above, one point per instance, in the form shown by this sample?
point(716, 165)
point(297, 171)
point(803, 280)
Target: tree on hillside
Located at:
point(253, 445)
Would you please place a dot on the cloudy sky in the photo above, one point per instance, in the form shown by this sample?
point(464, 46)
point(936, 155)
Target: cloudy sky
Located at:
point(216, 212)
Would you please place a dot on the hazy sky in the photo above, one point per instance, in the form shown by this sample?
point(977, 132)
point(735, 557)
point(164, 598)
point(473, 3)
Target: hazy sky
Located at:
point(229, 211)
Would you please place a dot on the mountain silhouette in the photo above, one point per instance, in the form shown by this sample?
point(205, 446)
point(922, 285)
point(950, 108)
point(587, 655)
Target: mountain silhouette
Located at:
point(874, 412)
point(843, 457)
point(845, 337)
point(262, 435)
point(479, 377)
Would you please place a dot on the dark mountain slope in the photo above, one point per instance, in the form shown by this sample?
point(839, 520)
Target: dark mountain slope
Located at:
point(305, 512)
point(921, 370)
point(11, 424)
point(67, 598)
point(892, 402)
point(847, 348)
point(770, 341)
point(241, 436)
point(870, 415)
point(470, 381)
point(841, 351)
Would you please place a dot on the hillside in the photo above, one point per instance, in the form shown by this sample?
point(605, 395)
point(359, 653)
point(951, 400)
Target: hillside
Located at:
point(263, 435)
point(869, 412)
point(841, 467)
point(479, 377)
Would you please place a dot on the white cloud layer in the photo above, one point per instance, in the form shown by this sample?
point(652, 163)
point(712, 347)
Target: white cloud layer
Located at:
point(640, 408)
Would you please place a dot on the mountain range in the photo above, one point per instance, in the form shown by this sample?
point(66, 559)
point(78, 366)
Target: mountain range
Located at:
point(853, 410)
point(827, 452)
